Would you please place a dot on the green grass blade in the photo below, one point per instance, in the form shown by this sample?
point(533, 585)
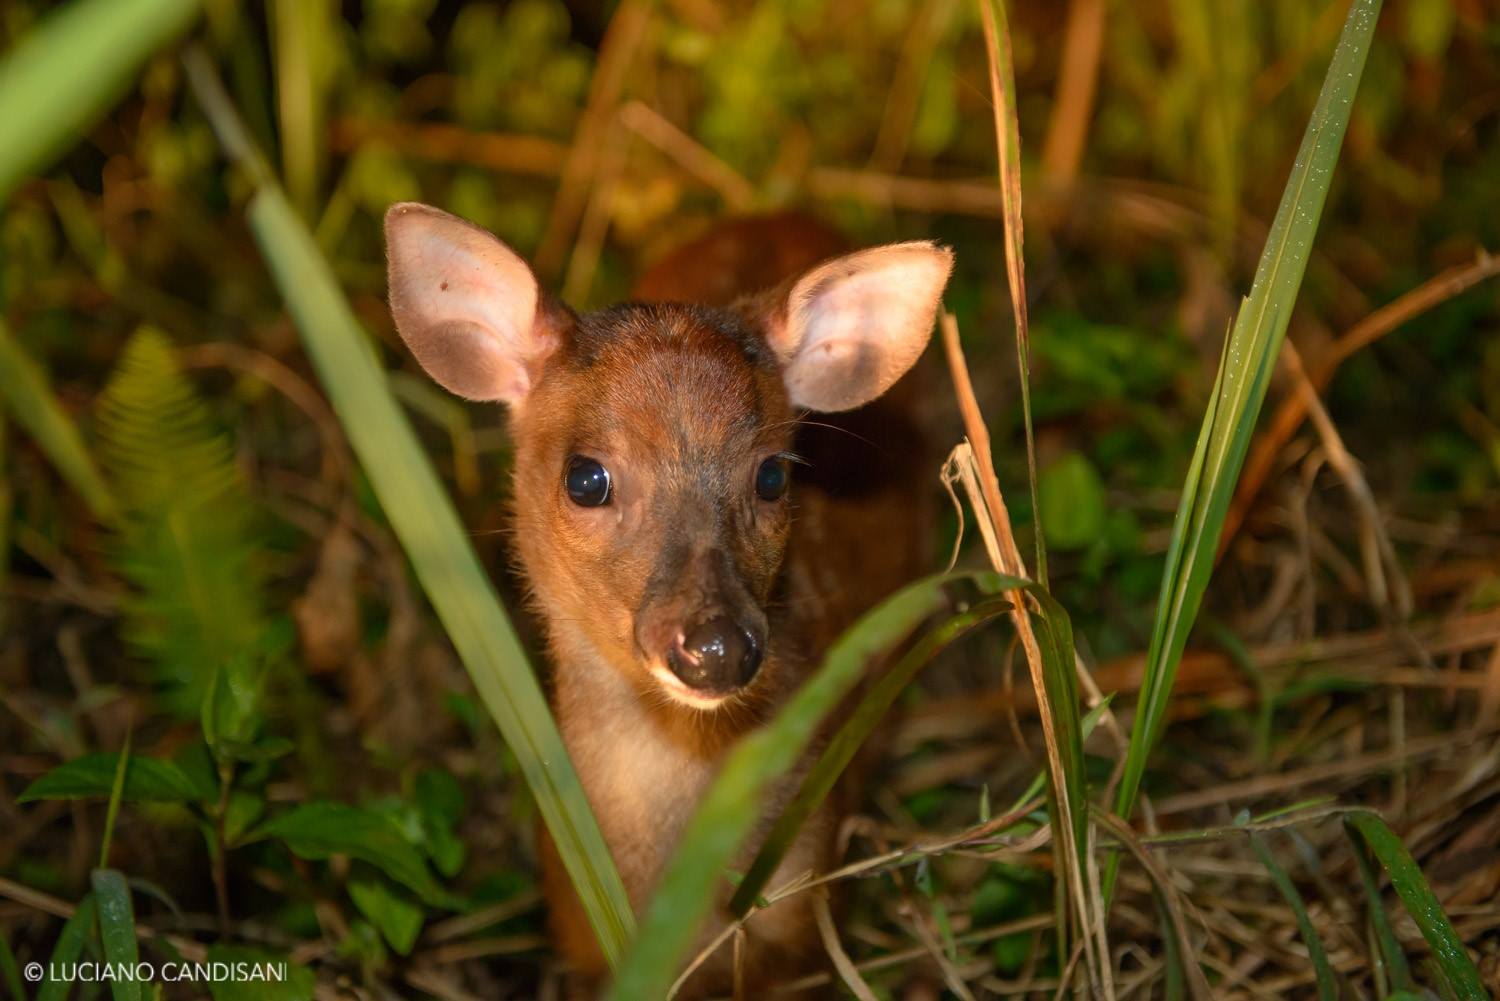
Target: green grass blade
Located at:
point(116, 792)
point(1245, 373)
point(1420, 902)
point(1389, 952)
point(10, 973)
point(117, 930)
point(1328, 987)
point(847, 742)
point(69, 947)
point(1039, 783)
point(68, 71)
point(733, 803)
point(424, 520)
point(301, 31)
point(25, 392)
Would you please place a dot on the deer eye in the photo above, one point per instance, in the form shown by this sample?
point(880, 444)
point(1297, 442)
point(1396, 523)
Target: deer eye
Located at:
point(771, 479)
point(587, 482)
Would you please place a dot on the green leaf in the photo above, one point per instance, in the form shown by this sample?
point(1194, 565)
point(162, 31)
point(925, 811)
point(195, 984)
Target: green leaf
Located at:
point(440, 801)
point(1328, 986)
point(230, 713)
point(244, 808)
point(423, 518)
point(1429, 27)
point(69, 69)
point(321, 830)
point(187, 538)
point(1388, 953)
point(1421, 903)
point(146, 780)
point(78, 929)
point(267, 976)
point(117, 929)
point(1073, 506)
point(1244, 374)
point(733, 802)
point(398, 919)
point(846, 743)
point(439, 796)
point(24, 389)
point(10, 973)
point(116, 791)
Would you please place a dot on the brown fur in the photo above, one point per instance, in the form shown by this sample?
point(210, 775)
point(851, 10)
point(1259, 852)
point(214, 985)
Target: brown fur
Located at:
point(640, 397)
point(682, 401)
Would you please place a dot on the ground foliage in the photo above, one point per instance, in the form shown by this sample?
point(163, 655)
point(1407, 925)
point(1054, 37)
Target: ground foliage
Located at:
point(312, 773)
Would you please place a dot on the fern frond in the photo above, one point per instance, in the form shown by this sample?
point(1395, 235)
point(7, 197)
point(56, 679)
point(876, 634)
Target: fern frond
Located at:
point(186, 536)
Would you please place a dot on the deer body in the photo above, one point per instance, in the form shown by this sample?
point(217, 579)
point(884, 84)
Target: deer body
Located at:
point(685, 589)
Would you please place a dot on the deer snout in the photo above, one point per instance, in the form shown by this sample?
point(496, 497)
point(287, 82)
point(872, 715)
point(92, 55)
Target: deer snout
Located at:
point(716, 655)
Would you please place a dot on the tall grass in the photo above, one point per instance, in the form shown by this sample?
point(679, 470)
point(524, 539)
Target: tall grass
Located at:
point(1245, 370)
point(65, 73)
point(25, 391)
point(424, 520)
point(69, 69)
point(734, 801)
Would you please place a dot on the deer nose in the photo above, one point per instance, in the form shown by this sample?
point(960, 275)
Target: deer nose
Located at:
point(717, 654)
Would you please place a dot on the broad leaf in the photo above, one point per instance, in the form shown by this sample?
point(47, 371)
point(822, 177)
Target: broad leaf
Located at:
point(322, 830)
point(398, 919)
point(146, 780)
point(117, 930)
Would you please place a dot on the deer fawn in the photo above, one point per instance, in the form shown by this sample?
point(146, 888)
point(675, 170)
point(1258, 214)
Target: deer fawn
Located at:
point(687, 578)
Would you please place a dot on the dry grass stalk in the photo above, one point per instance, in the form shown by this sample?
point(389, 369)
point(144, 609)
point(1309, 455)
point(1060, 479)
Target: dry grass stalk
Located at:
point(1073, 103)
point(1293, 409)
point(904, 96)
point(435, 142)
point(610, 165)
point(975, 469)
point(1387, 585)
point(689, 154)
point(845, 967)
point(627, 30)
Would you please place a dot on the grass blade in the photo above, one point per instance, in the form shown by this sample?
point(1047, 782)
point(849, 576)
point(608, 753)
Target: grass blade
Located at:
point(1178, 946)
point(10, 973)
point(1052, 668)
point(733, 803)
point(847, 742)
point(69, 947)
point(299, 30)
point(1328, 987)
point(1388, 952)
point(117, 930)
point(66, 72)
point(24, 390)
point(1245, 372)
point(1421, 903)
point(116, 792)
point(1008, 139)
point(1039, 783)
point(424, 520)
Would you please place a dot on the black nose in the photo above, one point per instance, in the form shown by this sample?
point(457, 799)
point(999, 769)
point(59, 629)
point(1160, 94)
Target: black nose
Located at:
point(716, 655)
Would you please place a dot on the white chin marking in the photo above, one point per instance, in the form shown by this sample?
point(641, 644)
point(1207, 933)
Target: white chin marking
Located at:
point(680, 692)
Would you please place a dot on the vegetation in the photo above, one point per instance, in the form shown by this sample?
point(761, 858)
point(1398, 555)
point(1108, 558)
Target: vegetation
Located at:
point(254, 575)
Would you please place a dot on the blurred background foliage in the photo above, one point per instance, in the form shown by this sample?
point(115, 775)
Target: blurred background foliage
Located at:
point(237, 547)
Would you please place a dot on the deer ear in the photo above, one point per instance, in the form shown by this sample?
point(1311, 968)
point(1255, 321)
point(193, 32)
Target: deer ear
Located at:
point(465, 304)
point(851, 327)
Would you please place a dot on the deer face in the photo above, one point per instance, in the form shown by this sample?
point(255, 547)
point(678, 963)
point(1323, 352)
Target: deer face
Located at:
point(652, 468)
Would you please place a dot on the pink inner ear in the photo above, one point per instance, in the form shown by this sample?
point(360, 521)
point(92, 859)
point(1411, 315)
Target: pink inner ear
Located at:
point(465, 304)
point(856, 324)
